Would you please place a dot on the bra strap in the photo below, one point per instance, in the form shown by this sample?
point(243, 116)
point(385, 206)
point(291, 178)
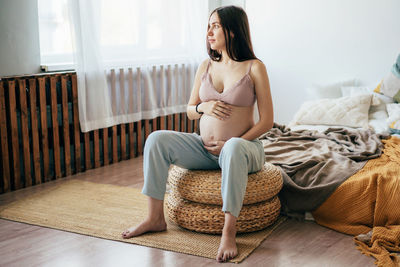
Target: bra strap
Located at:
point(208, 65)
point(251, 63)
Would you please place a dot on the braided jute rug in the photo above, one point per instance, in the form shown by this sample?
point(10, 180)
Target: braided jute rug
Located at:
point(104, 210)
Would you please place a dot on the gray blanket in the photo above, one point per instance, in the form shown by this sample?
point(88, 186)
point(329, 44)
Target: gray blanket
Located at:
point(314, 164)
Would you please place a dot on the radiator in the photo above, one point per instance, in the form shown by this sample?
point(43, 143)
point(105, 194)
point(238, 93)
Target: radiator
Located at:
point(149, 91)
point(41, 138)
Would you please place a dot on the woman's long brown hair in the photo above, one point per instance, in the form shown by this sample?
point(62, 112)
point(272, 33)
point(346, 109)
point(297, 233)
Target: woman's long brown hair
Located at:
point(234, 21)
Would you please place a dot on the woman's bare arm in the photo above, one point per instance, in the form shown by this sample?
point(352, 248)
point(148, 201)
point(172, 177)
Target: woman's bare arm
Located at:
point(264, 102)
point(194, 96)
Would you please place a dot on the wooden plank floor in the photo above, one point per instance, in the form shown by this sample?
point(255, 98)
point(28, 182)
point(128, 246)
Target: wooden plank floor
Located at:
point(293, 243)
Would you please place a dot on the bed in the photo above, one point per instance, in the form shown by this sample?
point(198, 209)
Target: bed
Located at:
point(340, 159)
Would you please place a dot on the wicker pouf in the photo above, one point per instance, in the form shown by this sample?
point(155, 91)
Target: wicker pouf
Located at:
point(195, 199)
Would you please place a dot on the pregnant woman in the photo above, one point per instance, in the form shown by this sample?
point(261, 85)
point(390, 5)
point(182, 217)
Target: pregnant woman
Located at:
point(225, 89)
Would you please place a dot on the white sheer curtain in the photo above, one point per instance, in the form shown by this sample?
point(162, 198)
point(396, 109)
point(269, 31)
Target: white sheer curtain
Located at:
point(151, 48)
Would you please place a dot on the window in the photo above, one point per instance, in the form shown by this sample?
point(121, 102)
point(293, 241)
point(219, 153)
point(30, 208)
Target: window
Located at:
point(128, 31)
point(54, 33)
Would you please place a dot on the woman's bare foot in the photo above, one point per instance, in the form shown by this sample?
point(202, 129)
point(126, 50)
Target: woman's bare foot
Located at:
point(146, 226)
point(227, 248)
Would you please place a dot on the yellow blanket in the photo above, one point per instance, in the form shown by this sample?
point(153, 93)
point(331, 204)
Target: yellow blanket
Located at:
point(367, 205)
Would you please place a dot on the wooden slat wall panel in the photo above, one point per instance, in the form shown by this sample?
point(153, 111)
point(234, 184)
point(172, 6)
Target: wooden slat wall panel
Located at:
point(157, 98)
point(35, 131)
point(196, 126)
point(44, 128)
point(122, 109)
point(114, 110)
point(14, 135)
point(190, 125)
point(154, 125)
point(169, 123)
point(163, 119)
point(146, 129)
point(184, 96)
point(6, 187)
point(177, 95)
point(132, 105)
point(132, 150)
point(114, 144)
point(182, 122)
point(169, 101)
point(96, 149)
point(86, 138)
point(105, 147)
point(176, 121)
point(65, 121)
point(54, 120)
point(25, 134)
point(163, 124)
point(123, 142)
point(186, 124)
point(77, 132)
point(38, 96)
point(139, 137)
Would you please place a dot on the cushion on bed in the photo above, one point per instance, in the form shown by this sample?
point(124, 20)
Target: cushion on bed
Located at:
point(345, 111)
point(390, 85)
point(365, 90)
point(379, 101)
point(377, 113)
point(394, 118)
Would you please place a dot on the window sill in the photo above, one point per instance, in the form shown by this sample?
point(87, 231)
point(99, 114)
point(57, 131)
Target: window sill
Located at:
point(57, 67)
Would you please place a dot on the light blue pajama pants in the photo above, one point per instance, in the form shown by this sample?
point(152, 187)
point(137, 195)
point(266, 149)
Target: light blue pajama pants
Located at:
point(237, 158)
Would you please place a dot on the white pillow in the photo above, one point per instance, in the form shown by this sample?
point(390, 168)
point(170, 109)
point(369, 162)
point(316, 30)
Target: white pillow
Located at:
point(380, 126)
point(378, 105)
point(362, 90)
point(318, 91)
point(345, 111)
point(393, 111)
point(394, 118)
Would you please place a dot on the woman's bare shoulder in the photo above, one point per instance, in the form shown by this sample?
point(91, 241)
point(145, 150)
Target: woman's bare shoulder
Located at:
point(203, 65)
point(258, 72)
point(258, 66)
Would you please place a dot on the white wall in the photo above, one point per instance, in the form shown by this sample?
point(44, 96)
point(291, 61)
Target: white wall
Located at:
point(240, 3)
point(213, 4)
point(19, 37)
point(314, 41)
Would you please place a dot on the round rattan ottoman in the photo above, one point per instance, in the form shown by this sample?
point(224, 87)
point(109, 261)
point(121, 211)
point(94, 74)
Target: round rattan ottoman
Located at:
point(195, 202)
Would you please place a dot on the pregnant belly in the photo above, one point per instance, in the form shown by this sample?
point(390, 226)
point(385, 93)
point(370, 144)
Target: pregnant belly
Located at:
point(213, 129)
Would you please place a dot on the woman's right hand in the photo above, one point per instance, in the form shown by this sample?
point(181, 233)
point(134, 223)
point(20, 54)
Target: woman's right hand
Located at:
point(217, 109)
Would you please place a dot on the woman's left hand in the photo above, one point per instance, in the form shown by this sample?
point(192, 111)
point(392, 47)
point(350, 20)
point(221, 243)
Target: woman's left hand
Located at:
point(214, 147)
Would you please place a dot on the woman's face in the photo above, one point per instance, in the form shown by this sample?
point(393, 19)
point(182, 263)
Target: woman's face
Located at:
point(215, 34)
